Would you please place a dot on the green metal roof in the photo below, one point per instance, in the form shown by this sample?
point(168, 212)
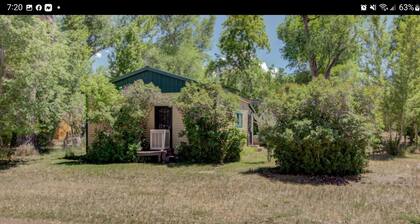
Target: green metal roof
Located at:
point(167, 82)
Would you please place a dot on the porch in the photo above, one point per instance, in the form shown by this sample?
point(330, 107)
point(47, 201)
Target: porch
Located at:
point(160, 146)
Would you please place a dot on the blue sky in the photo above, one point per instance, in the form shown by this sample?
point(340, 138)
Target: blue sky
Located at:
point(270, 58)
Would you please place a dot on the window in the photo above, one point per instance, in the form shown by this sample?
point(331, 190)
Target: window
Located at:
point(239, 120)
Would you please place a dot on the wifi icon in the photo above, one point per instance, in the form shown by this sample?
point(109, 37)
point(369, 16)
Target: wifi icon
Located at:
point(384, 7)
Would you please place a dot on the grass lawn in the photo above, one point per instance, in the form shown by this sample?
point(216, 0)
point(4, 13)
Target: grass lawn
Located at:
point(49, 189)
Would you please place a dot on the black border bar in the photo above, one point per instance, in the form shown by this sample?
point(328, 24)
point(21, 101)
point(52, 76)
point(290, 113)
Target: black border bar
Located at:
point(214, 7)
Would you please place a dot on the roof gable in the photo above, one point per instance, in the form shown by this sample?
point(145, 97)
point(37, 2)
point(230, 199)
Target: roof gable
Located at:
point(167, 82)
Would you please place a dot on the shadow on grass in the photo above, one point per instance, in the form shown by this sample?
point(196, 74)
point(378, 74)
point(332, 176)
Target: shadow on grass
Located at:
point(384, 156)
point(81, 160)
point(273, 174)
point(5, 164)
point(255, 163)
point(186, 164)
point(380, 156)
point(72, 162)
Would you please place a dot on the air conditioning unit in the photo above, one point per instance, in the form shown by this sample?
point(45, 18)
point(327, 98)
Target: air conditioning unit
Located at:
point(159, 139)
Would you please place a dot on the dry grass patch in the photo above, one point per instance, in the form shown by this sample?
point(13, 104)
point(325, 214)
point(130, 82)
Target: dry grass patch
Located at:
point(54, 190)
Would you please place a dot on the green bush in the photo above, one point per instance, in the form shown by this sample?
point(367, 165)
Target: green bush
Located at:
point(235, 143)
point(394, 148)
point(105, 150)
point(208, 113)
point(126, 132)
point(132, 152)
point(317, 132)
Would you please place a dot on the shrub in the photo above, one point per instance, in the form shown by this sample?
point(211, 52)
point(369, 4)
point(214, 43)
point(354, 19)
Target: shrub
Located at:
point(235, 143)
point(69, 154)
point(132, 152)
point(126, 132)
point(208, 112)
point(130, 120)
point(105, 150)
point(317, 132)
point(5, 154)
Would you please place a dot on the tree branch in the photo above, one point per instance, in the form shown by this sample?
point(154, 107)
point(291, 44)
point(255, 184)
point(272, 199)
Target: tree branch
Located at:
point(312, 58)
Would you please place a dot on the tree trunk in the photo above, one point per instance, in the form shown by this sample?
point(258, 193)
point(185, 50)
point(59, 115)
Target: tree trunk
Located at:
point(416, 135)
point(2, 68)
point(13, 140)
point(327, 72)
point(312, 59)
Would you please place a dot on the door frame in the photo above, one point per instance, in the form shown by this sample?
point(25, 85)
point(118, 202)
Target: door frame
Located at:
point(170, 121)
point(250, 129)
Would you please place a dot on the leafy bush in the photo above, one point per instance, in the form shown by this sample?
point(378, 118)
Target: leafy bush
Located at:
point(105, 150)
point(69, 154)
point(5, 154)
point(132, 152)
point(131, 118)
point(235, 143)
point(316, 130)
point(208, 112)
point(121, 142)
point(394, 148)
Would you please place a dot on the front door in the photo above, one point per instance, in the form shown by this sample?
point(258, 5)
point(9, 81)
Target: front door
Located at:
point(163, 120)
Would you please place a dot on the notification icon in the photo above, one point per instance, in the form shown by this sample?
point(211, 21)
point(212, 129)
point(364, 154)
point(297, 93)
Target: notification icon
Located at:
point(38, 7)
point(48, 7)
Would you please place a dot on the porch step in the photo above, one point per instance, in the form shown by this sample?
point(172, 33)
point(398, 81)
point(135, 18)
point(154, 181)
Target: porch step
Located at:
point(161, 154)
point(258, 147)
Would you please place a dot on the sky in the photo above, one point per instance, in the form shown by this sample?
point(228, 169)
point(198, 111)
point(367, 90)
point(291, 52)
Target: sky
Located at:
point(273, 57)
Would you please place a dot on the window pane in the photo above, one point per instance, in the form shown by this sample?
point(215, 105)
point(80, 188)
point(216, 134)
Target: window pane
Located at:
point(239, 119)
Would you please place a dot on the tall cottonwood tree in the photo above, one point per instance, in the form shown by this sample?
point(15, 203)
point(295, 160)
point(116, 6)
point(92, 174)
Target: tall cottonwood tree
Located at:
point(132, 46)
point(239, 67)
point(77, 33)
point(319, 43)
point(34, 67)
point(405, 75)
point(176, 44)
point(376, 43)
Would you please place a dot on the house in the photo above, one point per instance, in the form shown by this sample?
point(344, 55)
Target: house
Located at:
point(166, 116)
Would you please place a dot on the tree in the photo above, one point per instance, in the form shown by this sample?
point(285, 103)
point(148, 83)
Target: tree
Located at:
point(406, 70)
point(376, 48)
point(102, 99)
point(176, 44)
point(319, 42)
point(413, 108)
point(238, 67)
point(130, 46)
point(99, 28)
point(77, 34)
point(34, 67)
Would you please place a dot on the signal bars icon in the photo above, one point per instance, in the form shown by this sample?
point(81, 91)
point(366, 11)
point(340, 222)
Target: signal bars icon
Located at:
point(393, 8)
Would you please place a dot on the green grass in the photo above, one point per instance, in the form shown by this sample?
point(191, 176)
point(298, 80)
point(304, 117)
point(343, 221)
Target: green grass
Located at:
point(49, 189)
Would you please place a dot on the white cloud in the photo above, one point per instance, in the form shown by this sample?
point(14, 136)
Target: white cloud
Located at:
point(264, 66)
point(98, 55)
point(272, 70)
